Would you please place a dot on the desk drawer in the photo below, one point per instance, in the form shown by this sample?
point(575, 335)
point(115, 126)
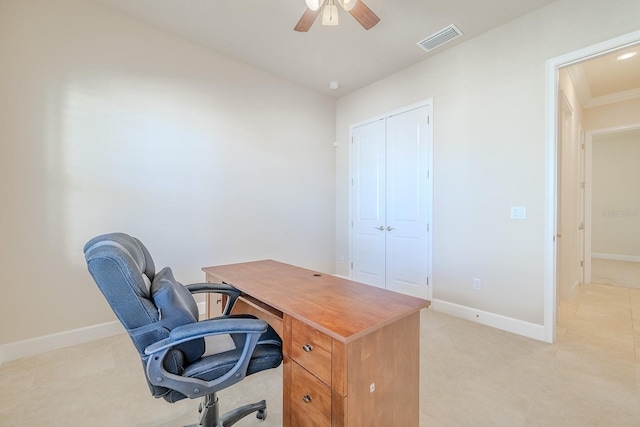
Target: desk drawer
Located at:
point(312, 350)
point(310, 399)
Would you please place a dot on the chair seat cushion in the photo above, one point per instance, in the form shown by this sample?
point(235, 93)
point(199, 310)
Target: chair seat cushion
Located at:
point(267, 355)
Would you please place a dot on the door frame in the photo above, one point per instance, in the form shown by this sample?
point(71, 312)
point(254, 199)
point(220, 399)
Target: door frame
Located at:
point(551, 199)
point(566, 127)
point(424, 103)
point(582, 202)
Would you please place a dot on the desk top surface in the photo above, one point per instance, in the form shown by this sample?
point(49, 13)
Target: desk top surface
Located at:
point(341, 308)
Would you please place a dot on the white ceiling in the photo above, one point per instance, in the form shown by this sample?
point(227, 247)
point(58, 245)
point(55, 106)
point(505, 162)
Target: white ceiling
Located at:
point(260, 33)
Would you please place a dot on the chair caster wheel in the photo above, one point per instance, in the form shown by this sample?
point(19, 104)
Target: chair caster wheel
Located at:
point(261, 414)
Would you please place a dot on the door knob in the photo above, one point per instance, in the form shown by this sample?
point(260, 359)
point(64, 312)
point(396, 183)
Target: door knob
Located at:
point(379, 228)
point(389, 228)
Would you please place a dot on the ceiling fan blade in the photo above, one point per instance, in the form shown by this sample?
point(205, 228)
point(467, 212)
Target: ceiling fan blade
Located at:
point(308, 18)
point(364, 15)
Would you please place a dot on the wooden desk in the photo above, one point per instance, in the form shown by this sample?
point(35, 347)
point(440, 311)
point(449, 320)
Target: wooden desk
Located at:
point(351, 351)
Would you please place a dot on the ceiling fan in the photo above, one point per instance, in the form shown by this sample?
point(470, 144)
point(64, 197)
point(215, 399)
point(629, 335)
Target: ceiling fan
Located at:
point(356, 8)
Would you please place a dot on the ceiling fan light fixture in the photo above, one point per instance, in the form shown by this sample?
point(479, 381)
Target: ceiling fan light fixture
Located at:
point(330, 14)
point(313, 4)
point(348, 4)
point(356, 8)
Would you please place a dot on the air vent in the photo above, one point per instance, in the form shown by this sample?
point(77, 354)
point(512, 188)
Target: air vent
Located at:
point(441, 37)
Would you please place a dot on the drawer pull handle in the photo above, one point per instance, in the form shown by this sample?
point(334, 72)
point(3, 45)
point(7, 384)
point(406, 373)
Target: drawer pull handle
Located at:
point(306, 398)
point(307, 347)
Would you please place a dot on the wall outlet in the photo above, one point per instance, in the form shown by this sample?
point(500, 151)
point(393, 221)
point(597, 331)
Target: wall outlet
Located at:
point(477, 284)
point(341, 259)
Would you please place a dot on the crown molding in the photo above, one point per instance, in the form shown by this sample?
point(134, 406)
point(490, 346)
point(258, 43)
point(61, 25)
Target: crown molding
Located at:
point(587, 100)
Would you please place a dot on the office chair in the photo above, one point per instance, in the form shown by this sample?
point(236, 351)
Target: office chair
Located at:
point(182, 357)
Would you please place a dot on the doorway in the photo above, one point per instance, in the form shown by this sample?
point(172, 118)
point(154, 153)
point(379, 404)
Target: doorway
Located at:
point(556, 254)
point(613, 247)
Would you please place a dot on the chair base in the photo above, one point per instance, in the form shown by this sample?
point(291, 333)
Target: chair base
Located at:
point(211, 413)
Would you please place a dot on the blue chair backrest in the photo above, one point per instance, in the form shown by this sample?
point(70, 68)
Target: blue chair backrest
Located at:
point(148, 304)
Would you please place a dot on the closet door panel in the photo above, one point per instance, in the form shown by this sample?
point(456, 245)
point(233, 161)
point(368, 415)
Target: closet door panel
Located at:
point(368, 204)
point(407, 207)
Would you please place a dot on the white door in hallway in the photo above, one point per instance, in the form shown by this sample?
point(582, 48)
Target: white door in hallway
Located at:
point(391, 202)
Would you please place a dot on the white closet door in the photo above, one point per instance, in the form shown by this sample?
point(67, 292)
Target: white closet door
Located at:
point(391, 203)
point(368, 204)
point(407, 203)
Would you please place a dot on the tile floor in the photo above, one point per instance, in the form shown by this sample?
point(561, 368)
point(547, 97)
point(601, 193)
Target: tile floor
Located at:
point(472, 375)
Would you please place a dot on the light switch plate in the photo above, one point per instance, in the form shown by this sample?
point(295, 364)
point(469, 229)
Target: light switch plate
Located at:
point(518, 212)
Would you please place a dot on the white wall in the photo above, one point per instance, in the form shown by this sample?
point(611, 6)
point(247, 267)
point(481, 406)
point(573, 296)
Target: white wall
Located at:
point(616, 194)
point(107, 124)
point(489, 150)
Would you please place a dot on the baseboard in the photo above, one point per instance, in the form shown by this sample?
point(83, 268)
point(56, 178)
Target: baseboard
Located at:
point(34, 346)
point(509, 324)
point(616, 257)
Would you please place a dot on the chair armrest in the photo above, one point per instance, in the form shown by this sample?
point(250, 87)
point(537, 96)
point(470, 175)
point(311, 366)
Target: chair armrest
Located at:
point(217, 288)
point(206, 328)
point(194, 387)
